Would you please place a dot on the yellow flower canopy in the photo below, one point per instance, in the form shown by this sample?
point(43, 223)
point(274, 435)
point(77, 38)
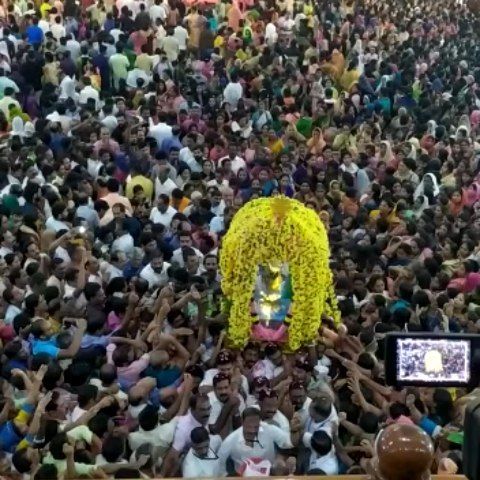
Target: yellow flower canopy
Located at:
point(271, 231)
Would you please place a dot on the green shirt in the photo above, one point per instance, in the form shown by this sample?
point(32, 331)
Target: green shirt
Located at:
point(119, 64)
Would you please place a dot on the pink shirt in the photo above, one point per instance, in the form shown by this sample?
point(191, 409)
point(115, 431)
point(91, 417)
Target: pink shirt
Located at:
point(112, 198)
point(129, 375)
point(185, 425)
point(111, 145)
point(113, 321)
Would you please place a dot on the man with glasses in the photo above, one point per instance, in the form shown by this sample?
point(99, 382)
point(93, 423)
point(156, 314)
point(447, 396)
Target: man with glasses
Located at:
point(256, 439)
point(202, 460)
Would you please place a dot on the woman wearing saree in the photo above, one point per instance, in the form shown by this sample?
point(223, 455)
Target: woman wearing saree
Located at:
point(316, 143)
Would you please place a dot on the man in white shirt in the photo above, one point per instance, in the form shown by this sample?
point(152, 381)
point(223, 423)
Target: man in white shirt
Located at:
point(44, 25)
point(237, 162)
point(322, 452)
point(322, 415)
point(163, 183)
point(59, 213)
point(150, 431)
point(233, 92)
point(170, 46)
point(255, 439)
point(226, 406)
point(57, 29)
point(218, 205)
point(156, 272)
point(73, 47)
point(157, 11)
point(181, 34)
point(202, 460)
point(197, 416)
point(88, 92)
point(269, 411)
point(7, 244)
point(163, 213)
point(271, 366)
point(300, 401)
point(185, 241)
point(161, 131)
point(114, 269)
point(59, 116)
point(271, 35)
point(225, 364)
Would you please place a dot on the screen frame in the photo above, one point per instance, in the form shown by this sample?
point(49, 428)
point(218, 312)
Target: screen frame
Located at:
point(390, 359)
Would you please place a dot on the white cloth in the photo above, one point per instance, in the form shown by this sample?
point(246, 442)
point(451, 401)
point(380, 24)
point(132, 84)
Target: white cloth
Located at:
point(265, 368)
point(185, 425)
point(216, 407)
point(181, 34)
point(208, 379)
point(58, 31)
point(271, 35)
point(165, 188)
point(269, 438)
point(56, 225)
point(217, 224)
point(303, 412)
point(156, 216)
point(330, 424)
point(154, 279)
point(110, 272)
point(160, 132)
point(420, 190)
point(327, 463)
point(195, 467)
point(89, 92)
point(124, 243)
point(237, 163)
point(177, 257)
point(233, 93)
point(157, 11)
point(161, 436)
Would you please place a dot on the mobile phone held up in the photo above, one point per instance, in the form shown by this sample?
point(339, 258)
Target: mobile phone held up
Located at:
point(430, 359)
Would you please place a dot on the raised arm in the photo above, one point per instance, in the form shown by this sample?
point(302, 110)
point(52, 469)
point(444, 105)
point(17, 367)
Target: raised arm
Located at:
point(354, 385)
point(74, 347)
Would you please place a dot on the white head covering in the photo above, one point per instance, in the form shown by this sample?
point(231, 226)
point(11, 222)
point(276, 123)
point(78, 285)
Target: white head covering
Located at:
point(419, 210)
point(67, 89)
point(431, 127)
point(18, 127)
point(421, 187)
point(29, 129)
point(465, 126)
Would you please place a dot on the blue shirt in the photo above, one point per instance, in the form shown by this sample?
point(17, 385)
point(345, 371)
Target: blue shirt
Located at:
point(9, 437)
point(45, 346)
point(169, 143)
point(94, 341)
point(34, 35)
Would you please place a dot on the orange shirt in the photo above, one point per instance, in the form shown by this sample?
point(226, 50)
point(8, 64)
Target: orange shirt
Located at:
point(180, 206)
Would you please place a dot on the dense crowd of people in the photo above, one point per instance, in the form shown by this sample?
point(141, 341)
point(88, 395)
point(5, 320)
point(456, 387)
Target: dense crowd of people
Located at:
point(131, 133)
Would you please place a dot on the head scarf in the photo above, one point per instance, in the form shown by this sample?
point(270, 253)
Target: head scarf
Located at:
point(431, 127)
point(475, 118)
point(414, 146)
point(422, 207)
point(67, 89)
point(421, 187)
point(316, 145)
point(18, 127)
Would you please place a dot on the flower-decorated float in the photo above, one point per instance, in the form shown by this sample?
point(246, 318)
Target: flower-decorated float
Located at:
point(275, 274)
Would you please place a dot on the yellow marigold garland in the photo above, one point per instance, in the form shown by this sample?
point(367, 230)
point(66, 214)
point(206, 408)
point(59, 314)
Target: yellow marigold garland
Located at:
point(271, 230)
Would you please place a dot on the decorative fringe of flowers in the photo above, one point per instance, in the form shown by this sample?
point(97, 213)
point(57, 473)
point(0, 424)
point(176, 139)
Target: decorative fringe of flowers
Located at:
point(272, 230)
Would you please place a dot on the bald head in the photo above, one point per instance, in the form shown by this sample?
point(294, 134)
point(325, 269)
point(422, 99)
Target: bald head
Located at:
point(405, 452)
